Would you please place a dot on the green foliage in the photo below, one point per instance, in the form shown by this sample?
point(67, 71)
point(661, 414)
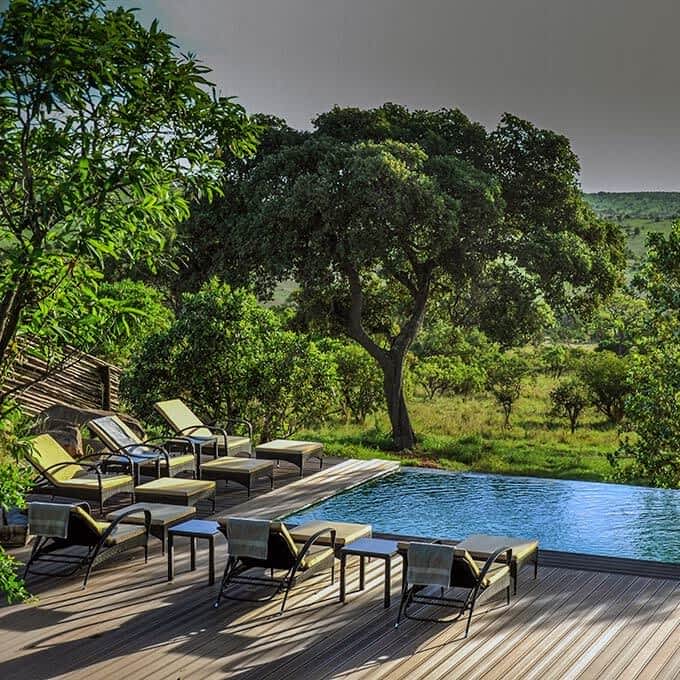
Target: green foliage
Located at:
point(652, 440)
point(106, 133)
point(606, 376)
point(15, 481)
point(619, 322)
point(231, 357)
point(555, 359)
point(569, 399)
point(504, 381)
point(359, 386)
point(439, 375)
point(137, 311)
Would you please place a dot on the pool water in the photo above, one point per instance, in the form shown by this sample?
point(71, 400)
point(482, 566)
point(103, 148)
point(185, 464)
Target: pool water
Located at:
point(585, 517)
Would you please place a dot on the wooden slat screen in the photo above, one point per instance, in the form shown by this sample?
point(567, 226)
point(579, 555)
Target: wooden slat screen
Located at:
point(83, 381)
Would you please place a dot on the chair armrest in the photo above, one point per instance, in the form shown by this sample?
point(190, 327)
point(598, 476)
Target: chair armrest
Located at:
point(312, 540)
point(159, 443)
point(492, 558)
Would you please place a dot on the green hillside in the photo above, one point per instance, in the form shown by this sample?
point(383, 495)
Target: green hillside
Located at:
point(647, 205)
point(639, 213)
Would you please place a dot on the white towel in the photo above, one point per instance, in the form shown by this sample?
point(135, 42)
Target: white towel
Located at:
point(49, 519)
point(248, 537)
point(429, 564)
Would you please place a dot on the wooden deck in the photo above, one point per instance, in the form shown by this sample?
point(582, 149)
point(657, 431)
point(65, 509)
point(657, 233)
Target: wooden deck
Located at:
point(132, 623)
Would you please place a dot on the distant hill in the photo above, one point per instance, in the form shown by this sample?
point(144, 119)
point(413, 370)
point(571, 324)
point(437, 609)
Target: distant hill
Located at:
point(646, 205)
point(639, 213)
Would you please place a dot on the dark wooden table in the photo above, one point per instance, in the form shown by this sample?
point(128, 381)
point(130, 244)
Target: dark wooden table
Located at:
point(369, 547)
point(194, 528)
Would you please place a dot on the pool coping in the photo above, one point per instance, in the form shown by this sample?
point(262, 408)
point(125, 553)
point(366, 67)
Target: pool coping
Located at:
point(579, 561)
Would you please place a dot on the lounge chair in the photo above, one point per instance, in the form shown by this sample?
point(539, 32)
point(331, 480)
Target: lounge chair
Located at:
point(59, 474)
point(185, 422)
point(227, 467)
point(435, 567)
point(148, 456)
point(267, 545)
point(60, 528)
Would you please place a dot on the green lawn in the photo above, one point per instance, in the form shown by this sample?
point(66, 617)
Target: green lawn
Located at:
point(457, 433)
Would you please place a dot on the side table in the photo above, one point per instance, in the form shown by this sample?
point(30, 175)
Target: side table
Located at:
point(368, 547)
point(194, 528)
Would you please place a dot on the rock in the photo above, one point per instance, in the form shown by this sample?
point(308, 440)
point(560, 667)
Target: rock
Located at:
point(70, 437)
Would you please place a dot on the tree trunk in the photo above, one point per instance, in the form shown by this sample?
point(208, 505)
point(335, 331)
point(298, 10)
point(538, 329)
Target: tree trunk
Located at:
point(402, 431)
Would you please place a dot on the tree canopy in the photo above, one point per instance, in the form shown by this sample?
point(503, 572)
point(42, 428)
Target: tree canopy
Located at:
point(106, 133)
point(377, 212)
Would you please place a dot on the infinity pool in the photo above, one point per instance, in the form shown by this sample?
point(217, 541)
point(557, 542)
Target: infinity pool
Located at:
point(586, 517)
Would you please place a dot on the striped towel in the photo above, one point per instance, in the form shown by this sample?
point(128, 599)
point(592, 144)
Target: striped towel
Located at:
point(429, 564)
point(248, 537)
point(49, 519)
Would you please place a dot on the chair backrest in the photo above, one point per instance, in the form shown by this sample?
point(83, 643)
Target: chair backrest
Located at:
point(180, 417)
point(281, 552)
point(70, 522)
point(46, 451)
point(113, 432)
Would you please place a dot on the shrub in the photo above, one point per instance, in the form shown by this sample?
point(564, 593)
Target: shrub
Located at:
point(230, 357)
point(606, 375)
point(569, 399)
point(555, 358)
point(448, 375)
point(360, 381)
point(505, 380)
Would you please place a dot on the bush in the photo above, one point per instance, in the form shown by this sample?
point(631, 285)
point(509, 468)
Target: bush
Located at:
point(569, 399)
point(360, 380)
point(230, 357)
point(606, 375)
point(555, 359)
point(448, 375)
point(504, 381)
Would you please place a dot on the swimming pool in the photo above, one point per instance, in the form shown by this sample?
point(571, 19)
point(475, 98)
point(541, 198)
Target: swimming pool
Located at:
point(585, 517)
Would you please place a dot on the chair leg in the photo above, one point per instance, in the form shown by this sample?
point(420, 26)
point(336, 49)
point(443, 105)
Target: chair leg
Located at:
point(467, 626)
point(406, 595)
point(225, 581)
point(507, 595)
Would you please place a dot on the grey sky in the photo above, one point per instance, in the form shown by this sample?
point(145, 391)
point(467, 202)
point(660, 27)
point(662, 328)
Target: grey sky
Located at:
point(603, 72)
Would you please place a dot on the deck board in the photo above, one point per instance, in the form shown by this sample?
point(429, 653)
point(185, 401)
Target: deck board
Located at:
point(130, 622)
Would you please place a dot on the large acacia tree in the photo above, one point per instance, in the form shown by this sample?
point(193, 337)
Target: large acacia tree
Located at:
point(106, 133)
point(376, 212)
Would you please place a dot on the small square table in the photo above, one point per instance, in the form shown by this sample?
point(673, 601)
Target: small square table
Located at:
point(194, 528)
point(369, 547)
point(292, 451)
point(162, 517)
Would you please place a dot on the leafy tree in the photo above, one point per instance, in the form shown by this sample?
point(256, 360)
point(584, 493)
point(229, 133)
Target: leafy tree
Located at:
point(359, 379)
point(569, 399)
point(619, 322)
point(105, 133)
point(606, 376)
point(230, 357)
point(504, 381)
point(440, 374)
point(376, 212)
point(651, 442)
point(555, 358)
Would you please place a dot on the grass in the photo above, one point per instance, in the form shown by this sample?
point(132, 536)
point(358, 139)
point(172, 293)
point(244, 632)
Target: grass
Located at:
point(467, 434)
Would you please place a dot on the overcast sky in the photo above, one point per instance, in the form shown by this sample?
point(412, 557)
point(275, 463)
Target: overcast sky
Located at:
point(603, 72)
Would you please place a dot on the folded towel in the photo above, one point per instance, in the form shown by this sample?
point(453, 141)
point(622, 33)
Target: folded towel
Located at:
point(248, 537)
point(49, 519)
point(429, 564)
